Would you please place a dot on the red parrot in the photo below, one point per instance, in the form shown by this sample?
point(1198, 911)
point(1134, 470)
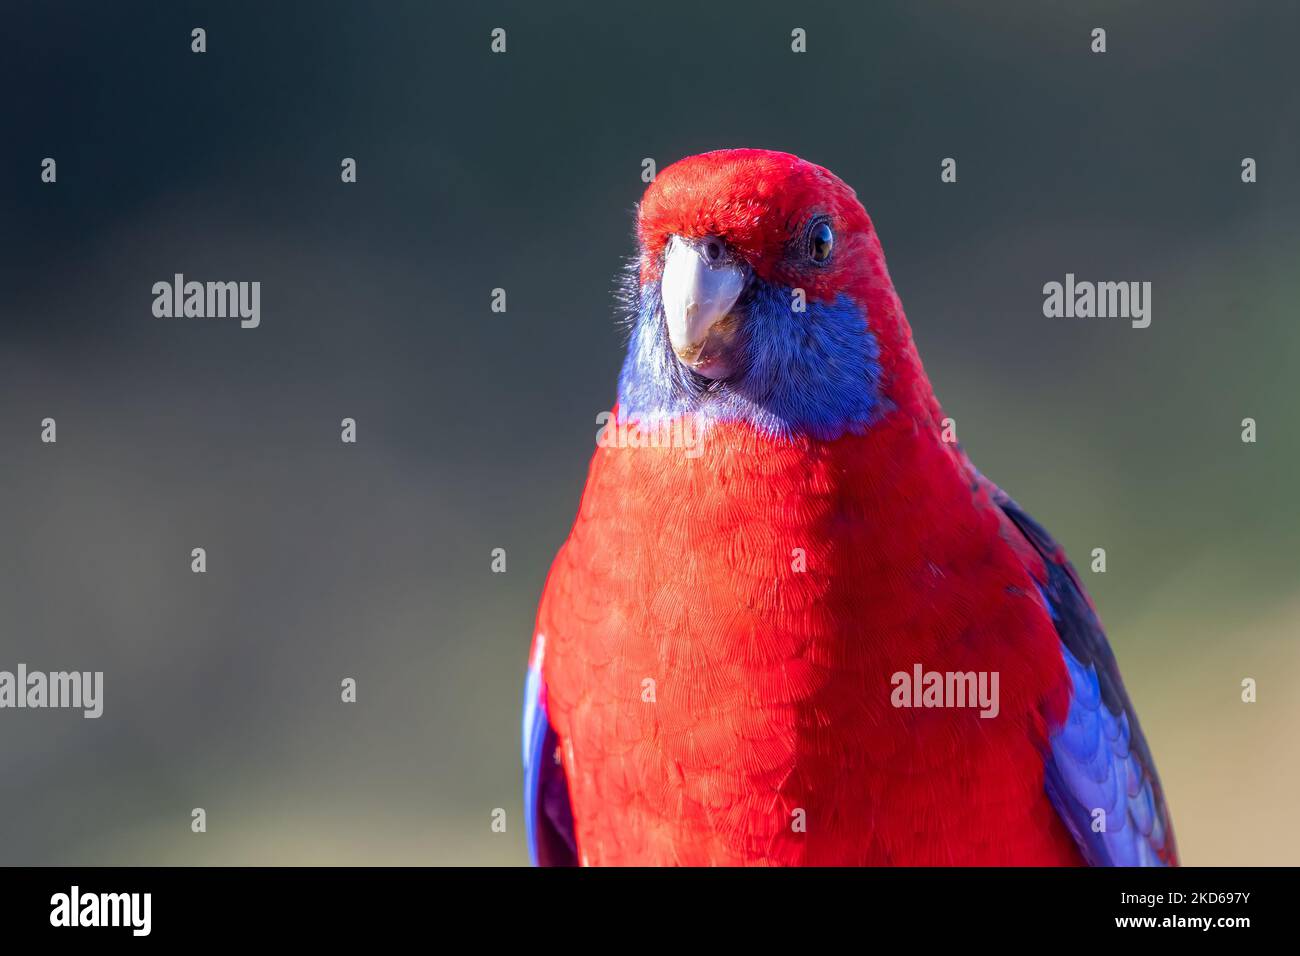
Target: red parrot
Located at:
point(792, 624)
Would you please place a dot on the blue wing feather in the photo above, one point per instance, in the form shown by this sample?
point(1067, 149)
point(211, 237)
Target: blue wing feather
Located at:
point(1098, 758)
point(547, 814)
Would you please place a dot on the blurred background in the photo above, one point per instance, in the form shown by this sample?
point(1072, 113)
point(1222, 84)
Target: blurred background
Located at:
point(521, 171)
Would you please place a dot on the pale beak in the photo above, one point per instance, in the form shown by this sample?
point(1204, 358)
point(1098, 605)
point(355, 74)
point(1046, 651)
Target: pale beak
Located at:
point(700, 285)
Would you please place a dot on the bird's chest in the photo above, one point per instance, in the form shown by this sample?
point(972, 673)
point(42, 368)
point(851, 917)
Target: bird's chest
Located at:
point(721, 644)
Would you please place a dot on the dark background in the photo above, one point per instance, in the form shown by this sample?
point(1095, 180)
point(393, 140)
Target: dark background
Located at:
point(521, 171)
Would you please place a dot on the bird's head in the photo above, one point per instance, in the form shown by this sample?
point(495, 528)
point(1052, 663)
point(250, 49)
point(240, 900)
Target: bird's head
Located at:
point(760, 293)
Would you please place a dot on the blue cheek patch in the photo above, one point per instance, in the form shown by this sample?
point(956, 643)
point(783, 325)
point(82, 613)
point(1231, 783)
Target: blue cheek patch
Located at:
point(815, 372)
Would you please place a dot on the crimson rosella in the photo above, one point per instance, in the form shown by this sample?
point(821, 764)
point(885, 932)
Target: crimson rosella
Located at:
point(792, 623)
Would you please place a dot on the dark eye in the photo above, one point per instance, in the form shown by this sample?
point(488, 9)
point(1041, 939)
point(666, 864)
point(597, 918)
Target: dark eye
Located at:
point(820, 241)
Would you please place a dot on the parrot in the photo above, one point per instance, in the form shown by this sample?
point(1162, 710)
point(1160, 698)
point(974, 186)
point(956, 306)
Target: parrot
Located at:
point(761, 642)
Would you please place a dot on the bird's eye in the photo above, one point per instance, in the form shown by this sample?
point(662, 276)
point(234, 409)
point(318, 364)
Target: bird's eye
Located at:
point(820, 242)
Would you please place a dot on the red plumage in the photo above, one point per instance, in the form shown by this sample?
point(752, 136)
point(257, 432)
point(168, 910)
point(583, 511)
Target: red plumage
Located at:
point(771, 687)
